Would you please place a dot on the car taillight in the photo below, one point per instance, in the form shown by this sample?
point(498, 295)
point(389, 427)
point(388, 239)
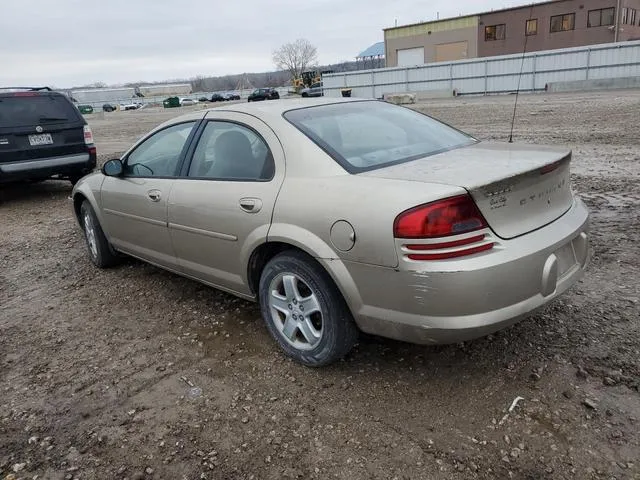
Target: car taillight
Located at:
point(450, 219)
point(88, 135)
point(450, 216)
point(550, 168)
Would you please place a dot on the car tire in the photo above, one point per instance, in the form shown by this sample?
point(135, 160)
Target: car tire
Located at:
point(324, 333)
point(305, 95)
point(100, 252)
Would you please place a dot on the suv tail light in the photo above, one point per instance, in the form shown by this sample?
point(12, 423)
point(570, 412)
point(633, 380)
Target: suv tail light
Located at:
point(88, 135)
point(452, 218)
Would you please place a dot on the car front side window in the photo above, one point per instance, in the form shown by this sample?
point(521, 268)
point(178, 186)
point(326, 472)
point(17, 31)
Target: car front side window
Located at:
point(230, 151)
point(158, 155)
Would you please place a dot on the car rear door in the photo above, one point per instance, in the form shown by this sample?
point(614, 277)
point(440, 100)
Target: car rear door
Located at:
point(35, 125)
point(134, 206)
point(220, 209)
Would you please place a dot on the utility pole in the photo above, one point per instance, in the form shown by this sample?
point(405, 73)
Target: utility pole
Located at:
point(618, 17)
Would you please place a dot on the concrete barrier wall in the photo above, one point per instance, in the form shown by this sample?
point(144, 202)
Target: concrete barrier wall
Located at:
point(599, 84)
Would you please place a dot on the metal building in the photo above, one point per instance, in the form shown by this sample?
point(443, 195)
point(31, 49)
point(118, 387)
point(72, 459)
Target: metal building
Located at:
point(543, 26)
point(103, 95)
point(372, 57)
point(165, 89)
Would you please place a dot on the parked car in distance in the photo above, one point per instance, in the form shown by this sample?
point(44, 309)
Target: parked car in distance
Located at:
point(217, 97)
point(43, 135)
point(231, 96)
point(107, 107)
point(187, 101)
point(130, 106)
point(263, 94)
point(457, 238)
point(314, 90)
point(203, 99)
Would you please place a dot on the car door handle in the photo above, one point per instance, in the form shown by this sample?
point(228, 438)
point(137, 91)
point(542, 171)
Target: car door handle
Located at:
point(251, 205)
point(154, 195)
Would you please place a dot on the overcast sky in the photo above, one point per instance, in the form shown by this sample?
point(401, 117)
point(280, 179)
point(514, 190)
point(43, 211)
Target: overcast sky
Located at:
point(74, 42)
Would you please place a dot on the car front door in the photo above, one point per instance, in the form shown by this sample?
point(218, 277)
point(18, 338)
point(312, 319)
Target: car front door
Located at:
point(220, 209)
point(134, 206)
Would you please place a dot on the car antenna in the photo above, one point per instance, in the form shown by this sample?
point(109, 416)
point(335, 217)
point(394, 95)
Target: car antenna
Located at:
point(524, 52)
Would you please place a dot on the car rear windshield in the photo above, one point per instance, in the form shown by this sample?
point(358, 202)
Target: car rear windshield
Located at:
point(367, 135)
point(30, 110)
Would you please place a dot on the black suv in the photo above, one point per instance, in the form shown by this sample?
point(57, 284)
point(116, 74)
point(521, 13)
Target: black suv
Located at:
point(42, 135)
point(263, 94)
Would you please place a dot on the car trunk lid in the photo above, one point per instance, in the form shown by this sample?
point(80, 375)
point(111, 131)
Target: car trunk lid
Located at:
point(518, 188)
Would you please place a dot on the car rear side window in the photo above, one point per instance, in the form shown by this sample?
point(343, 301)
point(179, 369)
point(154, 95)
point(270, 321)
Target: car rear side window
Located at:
point(230, 151)
point(368, 135)
point(24, 110)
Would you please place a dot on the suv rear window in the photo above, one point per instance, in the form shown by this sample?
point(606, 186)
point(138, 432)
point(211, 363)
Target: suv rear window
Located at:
point(24, 110)
point(367, 135)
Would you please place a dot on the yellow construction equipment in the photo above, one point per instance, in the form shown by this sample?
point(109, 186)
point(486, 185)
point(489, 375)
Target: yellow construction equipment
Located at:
point(308, 78)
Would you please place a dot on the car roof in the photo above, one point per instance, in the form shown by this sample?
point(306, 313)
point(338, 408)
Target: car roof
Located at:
point(278, 107)
point(267, 110)
point(271, 107)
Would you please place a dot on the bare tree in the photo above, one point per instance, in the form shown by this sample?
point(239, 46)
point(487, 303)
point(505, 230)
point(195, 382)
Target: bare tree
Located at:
point(295, 57)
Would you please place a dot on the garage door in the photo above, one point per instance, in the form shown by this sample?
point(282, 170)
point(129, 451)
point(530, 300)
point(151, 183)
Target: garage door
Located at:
point(447, 52)
point(410, 56)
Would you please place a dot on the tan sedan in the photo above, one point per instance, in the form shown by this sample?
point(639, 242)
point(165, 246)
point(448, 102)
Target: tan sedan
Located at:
point(344, 215)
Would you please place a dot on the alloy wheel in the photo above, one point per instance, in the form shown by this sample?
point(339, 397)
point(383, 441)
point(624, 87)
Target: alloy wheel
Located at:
point(295, 311)
point(90, 233)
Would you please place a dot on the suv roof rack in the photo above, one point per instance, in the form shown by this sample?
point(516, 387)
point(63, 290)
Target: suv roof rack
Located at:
point(27, 89)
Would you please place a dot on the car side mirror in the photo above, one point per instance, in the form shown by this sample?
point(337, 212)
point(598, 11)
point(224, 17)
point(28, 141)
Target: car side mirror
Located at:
point(113, 168)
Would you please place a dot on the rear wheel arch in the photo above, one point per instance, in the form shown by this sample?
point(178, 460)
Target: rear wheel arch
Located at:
point(259, 258)
point(334, 268)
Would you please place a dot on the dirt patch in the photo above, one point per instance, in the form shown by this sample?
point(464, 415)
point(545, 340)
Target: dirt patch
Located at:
point(137, 373)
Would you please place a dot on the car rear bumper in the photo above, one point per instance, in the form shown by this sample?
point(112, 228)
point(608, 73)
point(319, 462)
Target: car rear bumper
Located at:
point(75, 164)
point(453, 301)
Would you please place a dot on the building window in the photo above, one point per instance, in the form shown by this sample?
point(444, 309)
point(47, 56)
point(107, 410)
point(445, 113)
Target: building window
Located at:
point(495, 32)
point(563, 23)
point(628, 16)
point(601, 18)
point(531, 27)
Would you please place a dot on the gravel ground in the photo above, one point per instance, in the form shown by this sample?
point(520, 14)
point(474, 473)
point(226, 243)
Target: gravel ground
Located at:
point(137, 373)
